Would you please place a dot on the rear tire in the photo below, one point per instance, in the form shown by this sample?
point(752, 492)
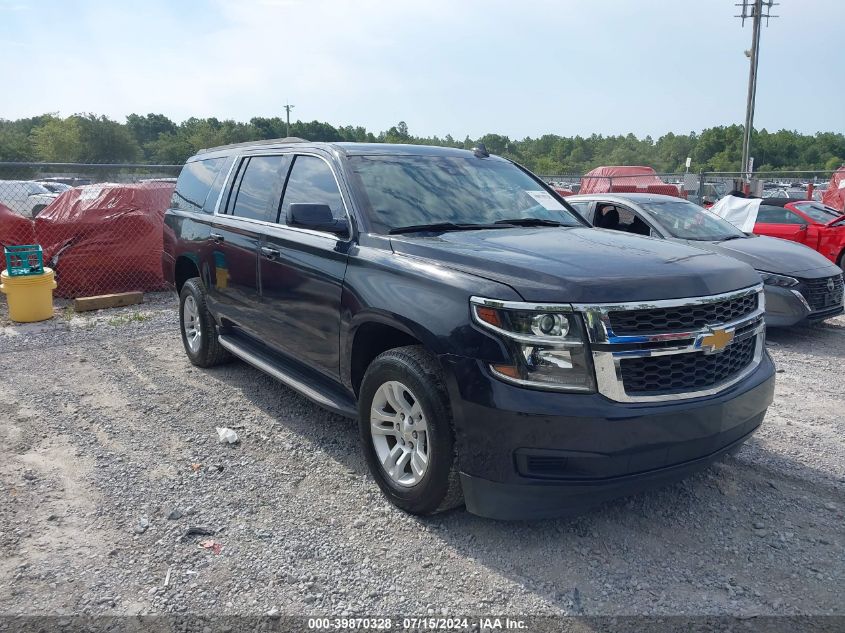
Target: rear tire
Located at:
point(199, 331)
point(406, 430)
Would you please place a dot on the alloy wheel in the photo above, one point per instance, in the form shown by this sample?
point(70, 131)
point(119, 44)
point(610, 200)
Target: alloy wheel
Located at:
point(191, 324)
point(400, 433)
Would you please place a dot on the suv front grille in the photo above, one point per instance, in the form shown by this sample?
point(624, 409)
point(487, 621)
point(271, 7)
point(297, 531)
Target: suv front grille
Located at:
point(680, 318)
point(693, 371)
point(819, 296)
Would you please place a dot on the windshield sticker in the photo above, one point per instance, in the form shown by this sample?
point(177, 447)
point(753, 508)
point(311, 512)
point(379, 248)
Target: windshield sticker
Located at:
point(546, 200)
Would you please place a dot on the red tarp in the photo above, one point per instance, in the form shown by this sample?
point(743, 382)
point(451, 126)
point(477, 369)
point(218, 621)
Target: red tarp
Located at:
point(834, 195)
point(105, 238)
point(625, 179)
point(15, 230)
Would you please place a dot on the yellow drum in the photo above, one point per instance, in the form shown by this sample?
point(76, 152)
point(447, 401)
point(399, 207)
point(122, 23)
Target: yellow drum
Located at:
point(30, 297)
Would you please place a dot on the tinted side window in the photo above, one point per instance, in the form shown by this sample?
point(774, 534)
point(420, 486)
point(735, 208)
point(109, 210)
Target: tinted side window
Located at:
point(194, 183)
point(769, 214)
point(311, 181)
point(258, 186)
point(217, 185)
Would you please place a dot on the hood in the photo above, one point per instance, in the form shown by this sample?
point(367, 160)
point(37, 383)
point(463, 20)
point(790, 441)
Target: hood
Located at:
point(773, 255)
point(582, 265)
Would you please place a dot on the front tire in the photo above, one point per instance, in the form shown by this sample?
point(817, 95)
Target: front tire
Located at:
point(199, 332)
point(406, 430)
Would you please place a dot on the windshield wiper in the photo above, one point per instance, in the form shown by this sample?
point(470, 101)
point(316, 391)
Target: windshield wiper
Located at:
point(732, 237)
point(531, 222)
point(442, 226)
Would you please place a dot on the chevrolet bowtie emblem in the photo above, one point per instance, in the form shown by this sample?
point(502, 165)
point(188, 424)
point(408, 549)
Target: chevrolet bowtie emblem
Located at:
point(716, 341)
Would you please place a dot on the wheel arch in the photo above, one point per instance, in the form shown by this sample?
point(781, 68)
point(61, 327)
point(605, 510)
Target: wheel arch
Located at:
point(374, 333)
point(184, 269)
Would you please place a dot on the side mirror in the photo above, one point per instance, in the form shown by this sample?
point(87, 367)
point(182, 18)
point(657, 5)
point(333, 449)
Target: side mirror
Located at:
point(317, 217)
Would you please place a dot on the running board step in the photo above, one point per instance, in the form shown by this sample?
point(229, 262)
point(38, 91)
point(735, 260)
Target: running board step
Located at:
point(316, 389)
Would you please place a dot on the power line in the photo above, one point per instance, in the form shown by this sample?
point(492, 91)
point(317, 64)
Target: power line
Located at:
point(288, 108)
point(755, 10)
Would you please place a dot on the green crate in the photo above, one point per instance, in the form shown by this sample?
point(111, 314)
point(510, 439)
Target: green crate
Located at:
point(24, 260)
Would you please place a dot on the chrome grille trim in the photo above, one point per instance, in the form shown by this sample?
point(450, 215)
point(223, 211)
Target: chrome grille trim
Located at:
point(607, 349)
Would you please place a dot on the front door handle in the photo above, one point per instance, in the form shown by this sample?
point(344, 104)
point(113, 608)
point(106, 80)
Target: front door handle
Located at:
point(270, 253)
point(218, 239)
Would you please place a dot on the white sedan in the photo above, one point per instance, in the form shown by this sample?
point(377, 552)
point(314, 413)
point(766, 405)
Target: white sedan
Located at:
point(25, 197)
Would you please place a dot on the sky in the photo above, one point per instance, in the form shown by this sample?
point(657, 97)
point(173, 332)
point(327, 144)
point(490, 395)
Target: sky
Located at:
point(461, 67)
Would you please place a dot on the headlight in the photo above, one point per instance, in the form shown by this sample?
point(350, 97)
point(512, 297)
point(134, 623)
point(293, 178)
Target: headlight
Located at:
point(771, 279)
point(547, 344)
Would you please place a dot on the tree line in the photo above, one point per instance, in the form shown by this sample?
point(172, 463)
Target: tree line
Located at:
point(154, 138)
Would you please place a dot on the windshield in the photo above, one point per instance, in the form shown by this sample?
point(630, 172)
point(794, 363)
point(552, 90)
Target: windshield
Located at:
point(817, 212)
point(406, 191)
point(688, 221)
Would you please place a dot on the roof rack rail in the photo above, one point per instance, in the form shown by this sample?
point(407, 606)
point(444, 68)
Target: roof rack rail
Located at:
point(269, 141)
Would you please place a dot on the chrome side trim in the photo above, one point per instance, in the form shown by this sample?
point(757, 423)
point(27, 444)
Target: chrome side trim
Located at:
point(293, 152)
point(521, 305)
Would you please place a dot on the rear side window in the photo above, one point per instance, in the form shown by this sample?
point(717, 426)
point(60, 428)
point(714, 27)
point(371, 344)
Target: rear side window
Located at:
point(259, 185)
point(194, 184)
point(770, 214)
point(818, 212)
point(311, 181)
point(217, 186)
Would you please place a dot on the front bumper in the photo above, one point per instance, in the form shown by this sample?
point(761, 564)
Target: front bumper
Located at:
point(535, 454)
point(786, 307)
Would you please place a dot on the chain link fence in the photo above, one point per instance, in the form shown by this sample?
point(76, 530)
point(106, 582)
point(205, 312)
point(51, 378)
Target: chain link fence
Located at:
point(704, 188)
point(100, 226)
point(799, 185)
point(665, 184)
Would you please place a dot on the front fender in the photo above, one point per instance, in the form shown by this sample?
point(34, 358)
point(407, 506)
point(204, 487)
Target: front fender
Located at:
point(421, 298)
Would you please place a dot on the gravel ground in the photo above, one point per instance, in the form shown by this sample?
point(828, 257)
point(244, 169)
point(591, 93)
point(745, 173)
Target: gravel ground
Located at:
point(109, 459)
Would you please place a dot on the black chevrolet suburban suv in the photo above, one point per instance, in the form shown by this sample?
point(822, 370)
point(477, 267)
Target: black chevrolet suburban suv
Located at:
point(494, 348)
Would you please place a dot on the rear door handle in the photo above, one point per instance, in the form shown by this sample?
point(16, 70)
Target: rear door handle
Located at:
point(270, 253)
point(217, 238)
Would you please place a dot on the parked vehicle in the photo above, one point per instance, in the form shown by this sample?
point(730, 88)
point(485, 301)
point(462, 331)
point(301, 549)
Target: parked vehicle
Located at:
point(25, 197)
point(807, 222)
point(71, 181)
point(791, 193)
point(834, 195)
point(490, 343)
point(53, 187)
point(800, 284)
point(628, 178)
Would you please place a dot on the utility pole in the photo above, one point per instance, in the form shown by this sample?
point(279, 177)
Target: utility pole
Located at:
point(288, 108)
point(756, 10)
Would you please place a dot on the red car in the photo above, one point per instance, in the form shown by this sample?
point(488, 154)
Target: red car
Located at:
point(808, 222)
